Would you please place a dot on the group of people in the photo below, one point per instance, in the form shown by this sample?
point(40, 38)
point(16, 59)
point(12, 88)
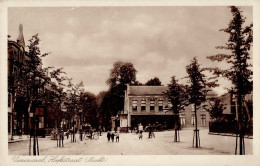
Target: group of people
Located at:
point(112, 135)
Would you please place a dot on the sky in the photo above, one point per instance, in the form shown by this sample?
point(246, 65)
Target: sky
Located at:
point(159, 41)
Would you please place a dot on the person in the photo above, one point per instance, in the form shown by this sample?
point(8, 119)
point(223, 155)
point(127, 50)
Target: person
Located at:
point(141, 135)
point(91, 132)
point(100, 131)
point(150, 131)
point(117, 137)
point(112, 137)
point(108, 136)
point(140, 128)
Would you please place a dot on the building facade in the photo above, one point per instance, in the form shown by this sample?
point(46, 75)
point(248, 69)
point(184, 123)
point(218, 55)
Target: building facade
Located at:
point(18, 121)
point(150, 105)
point(230, 110)
point(22, 117)
point(146, 105)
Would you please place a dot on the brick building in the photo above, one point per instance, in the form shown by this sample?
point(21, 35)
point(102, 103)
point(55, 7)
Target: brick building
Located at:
point(20, 119)
point(17, 115)
point(150, 105)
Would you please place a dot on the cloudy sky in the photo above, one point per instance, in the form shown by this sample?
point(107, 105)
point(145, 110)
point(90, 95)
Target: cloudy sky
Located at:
point(159, 41)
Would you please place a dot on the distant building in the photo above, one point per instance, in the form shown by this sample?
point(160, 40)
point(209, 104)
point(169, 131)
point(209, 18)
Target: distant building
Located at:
point(231, 106)
point(150, 104)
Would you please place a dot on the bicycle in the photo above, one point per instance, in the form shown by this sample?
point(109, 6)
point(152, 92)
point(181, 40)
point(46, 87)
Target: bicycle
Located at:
point(88, 136)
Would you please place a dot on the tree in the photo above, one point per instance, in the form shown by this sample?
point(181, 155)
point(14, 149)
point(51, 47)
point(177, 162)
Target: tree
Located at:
point(60, 95)
point(197, 90)
point(104, 109)
point(122, 73)
point(177, 94)
point(216, 109)
point(74, 105)
point(137, 83)
point(90, 109)
point(32, 81)
point(154, 82)
point(239, 44)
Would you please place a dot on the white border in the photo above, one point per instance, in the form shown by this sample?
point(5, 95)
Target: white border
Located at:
point(146, 159)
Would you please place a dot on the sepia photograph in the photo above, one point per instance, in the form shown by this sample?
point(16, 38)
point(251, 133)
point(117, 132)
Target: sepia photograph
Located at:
point(129, 80)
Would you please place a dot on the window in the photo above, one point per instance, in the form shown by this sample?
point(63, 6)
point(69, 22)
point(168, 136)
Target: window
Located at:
point(193, 120)
point(41, 122)
point(143, 105)
point(160, 105)
point(203, 120)
point(152, 105)
point(182, 119)
point(134, 105)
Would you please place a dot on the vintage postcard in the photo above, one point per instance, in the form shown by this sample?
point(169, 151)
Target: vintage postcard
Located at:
point(129, 83)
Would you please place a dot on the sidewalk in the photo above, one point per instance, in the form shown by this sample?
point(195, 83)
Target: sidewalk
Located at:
point(17, 138)
point(229, 134)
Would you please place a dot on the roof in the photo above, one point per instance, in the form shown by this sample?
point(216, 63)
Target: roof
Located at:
point(147, 90)
point(154, 90)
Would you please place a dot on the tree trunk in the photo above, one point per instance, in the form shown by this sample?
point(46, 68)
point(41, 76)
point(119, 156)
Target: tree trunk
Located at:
point(240, 126)
point(196, 127)
point(176, 133)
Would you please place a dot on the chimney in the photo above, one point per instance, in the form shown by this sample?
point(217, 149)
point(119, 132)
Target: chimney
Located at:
point(20, 39)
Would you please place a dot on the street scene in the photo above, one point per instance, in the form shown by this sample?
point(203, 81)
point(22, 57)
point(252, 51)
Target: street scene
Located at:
point(142, 80)
point(130, 144)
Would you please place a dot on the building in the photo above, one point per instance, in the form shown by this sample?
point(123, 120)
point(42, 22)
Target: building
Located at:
point(231, 106)
point(20, 118)
point(18, 121)
point(150, 105)
point(146, 105)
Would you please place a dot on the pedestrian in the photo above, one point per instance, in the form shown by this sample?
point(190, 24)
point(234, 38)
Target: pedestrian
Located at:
point(91, 132)
point(117, 137)
point(112, 137)
point(108, 136)
point(140, 135)
point(140, 128)
point(100, 131)
point(150, 131)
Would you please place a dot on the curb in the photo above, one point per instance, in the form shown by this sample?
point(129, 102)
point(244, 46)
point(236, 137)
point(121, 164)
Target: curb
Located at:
point(230, 135)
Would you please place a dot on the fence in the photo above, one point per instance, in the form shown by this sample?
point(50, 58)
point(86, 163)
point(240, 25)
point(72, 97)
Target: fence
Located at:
point(228, 127)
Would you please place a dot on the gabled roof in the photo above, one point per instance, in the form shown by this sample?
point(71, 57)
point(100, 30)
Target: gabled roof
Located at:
point(147, 90)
